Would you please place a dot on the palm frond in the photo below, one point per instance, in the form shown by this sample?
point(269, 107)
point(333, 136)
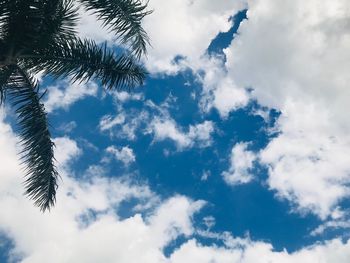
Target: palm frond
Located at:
point(5, 73)
point(21, 22)
point(124, 18)
point(29, 24)
point(83, 60)
point(3, 4)
point(38, 149)
point(60, 20)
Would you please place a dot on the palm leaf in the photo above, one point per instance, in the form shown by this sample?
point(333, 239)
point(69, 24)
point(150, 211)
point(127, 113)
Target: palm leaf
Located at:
point(38, 149)
point(60, 20)
point(3, 4)
point(5, 73)
point(21, 22)
point(83, 60)
point(124, 18)
point(30, 24)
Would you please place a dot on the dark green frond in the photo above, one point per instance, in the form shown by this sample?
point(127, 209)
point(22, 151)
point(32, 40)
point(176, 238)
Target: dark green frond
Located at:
point(29, 24)
point(124, 18)
point(38, 153)
point(83, 60)
point(60, 20)
point(5, 73)
point(3, 4)
point(21, 22)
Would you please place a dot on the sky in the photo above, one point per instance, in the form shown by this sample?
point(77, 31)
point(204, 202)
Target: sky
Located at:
point(236, 149)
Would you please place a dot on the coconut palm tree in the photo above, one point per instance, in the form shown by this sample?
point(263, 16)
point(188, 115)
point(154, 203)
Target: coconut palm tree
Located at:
point(39, 36)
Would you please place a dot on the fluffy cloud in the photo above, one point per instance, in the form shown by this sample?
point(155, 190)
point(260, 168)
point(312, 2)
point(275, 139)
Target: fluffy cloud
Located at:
point(156, 120)
point(124, 96)
point(64, 94)
point(309, 163)
point(199, 134)
point(185, 28)
point(331, 225)
point(87, 214)
point(241, 164)
point(12, 169)
point(293, 59)
point(66, 150)
point(219, 90)
point(107, 122)
point(295, 55)
point(195, 24)
point(167, 129)
point(67, 127)
point(177, 28)
point(125, 154)
point(124, 124)
point(246, 251)
point(184, 34)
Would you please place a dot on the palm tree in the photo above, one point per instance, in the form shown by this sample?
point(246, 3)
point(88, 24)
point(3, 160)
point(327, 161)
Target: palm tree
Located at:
point(40, 36)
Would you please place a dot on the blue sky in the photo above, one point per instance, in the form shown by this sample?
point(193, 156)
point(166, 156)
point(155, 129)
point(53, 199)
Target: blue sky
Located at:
point(235, 150)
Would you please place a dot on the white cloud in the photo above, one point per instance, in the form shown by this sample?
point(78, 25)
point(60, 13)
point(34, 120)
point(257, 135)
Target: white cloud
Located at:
point(186, 33)
point(124, 124)
point(167, 128)
point(174, 217)
point(241, 164)
point(124, 96)
point(85, 215)
point(309, 163)
point(125, 154)
point(90, 27)
point(194, 25)
point(67, 127)
point(202, 133)
point(197, 23)
point(246, 251)
point(8, 155)
point(185, 28)
point(298, 65)
point(205, 175)
point(155, 119)
point(209, 221)
point(107, 122)
point(66, 150)
point(219, 89)
point(228, 97)
point(293, 59)
point(64, 94)
point(336, 224)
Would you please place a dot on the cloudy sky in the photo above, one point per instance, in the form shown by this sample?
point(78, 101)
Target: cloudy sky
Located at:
point(237, 149)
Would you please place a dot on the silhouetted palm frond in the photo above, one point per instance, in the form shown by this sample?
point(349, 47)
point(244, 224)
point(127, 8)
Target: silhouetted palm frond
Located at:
point(38, 152)
point(61, 17)
point(83, 60)
point(5, 74)
point(123, 17)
